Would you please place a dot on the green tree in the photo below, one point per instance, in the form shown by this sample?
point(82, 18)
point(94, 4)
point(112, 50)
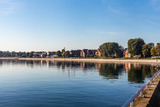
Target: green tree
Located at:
point(145, 50)
point(27, 54)
point(58, 53)
point(109, 49)
point(153, 51)
point(158, 49)
point(63, 54)
point(67, 54)
point(13, 54)
point(149, 46)
point(63, 50)
point(135, 46)
point(120, 51)
point(31, 54)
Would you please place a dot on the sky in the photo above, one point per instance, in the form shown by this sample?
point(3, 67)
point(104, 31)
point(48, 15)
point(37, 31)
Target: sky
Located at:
point(50, 25)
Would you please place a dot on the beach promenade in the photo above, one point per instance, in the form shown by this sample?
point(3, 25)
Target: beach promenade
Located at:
point(142, 61)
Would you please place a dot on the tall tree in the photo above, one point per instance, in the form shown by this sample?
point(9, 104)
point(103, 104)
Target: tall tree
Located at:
point(153, 51)
point(67, 54)
point(63, 50)
point(31, 54)
point(120, 51)
point(58, 53)
point(63, 54)
point(109, 49)
point(146, 48)
point(27, 54)
point(158, 49)
point(135, 46)
point(150, 45)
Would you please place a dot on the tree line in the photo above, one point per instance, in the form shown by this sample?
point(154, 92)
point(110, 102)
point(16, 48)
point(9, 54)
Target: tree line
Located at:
point(136, 46)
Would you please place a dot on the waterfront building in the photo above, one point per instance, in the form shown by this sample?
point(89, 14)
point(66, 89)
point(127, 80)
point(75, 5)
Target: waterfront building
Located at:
point(127, 54)
point(75, 53)
point(89, 53)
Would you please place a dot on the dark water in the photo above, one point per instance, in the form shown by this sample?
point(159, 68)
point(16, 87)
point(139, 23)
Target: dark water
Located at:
point(69, 84)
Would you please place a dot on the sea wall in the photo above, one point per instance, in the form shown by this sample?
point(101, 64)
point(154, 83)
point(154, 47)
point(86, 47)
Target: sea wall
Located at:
point(155, 99)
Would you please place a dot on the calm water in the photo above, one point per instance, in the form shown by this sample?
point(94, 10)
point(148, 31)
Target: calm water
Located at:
point(69, 84)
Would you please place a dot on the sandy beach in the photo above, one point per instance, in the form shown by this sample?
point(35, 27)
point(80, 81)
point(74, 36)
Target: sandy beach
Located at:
point(143, 61)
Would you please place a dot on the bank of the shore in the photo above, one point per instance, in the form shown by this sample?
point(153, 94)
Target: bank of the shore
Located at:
point(144, 61)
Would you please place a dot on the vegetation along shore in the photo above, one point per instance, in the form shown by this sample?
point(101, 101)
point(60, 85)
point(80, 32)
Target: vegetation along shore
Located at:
point(137, 48)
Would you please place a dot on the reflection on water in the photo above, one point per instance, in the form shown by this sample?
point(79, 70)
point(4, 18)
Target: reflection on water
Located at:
point(136, 72)
point(111, 71)
point(79, 84)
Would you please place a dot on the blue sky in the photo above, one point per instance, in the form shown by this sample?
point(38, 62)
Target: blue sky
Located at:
point(49, 25)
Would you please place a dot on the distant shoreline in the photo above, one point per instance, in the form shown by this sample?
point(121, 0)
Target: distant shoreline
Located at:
point(143, 61)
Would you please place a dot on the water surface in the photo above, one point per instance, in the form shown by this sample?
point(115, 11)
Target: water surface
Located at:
point(69, 84)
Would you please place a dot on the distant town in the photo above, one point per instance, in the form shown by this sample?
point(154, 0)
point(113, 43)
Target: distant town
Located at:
point(137, 48)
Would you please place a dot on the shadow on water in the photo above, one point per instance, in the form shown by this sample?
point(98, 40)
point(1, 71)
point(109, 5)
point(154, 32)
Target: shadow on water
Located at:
point(111, 71)
point(136, 72)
